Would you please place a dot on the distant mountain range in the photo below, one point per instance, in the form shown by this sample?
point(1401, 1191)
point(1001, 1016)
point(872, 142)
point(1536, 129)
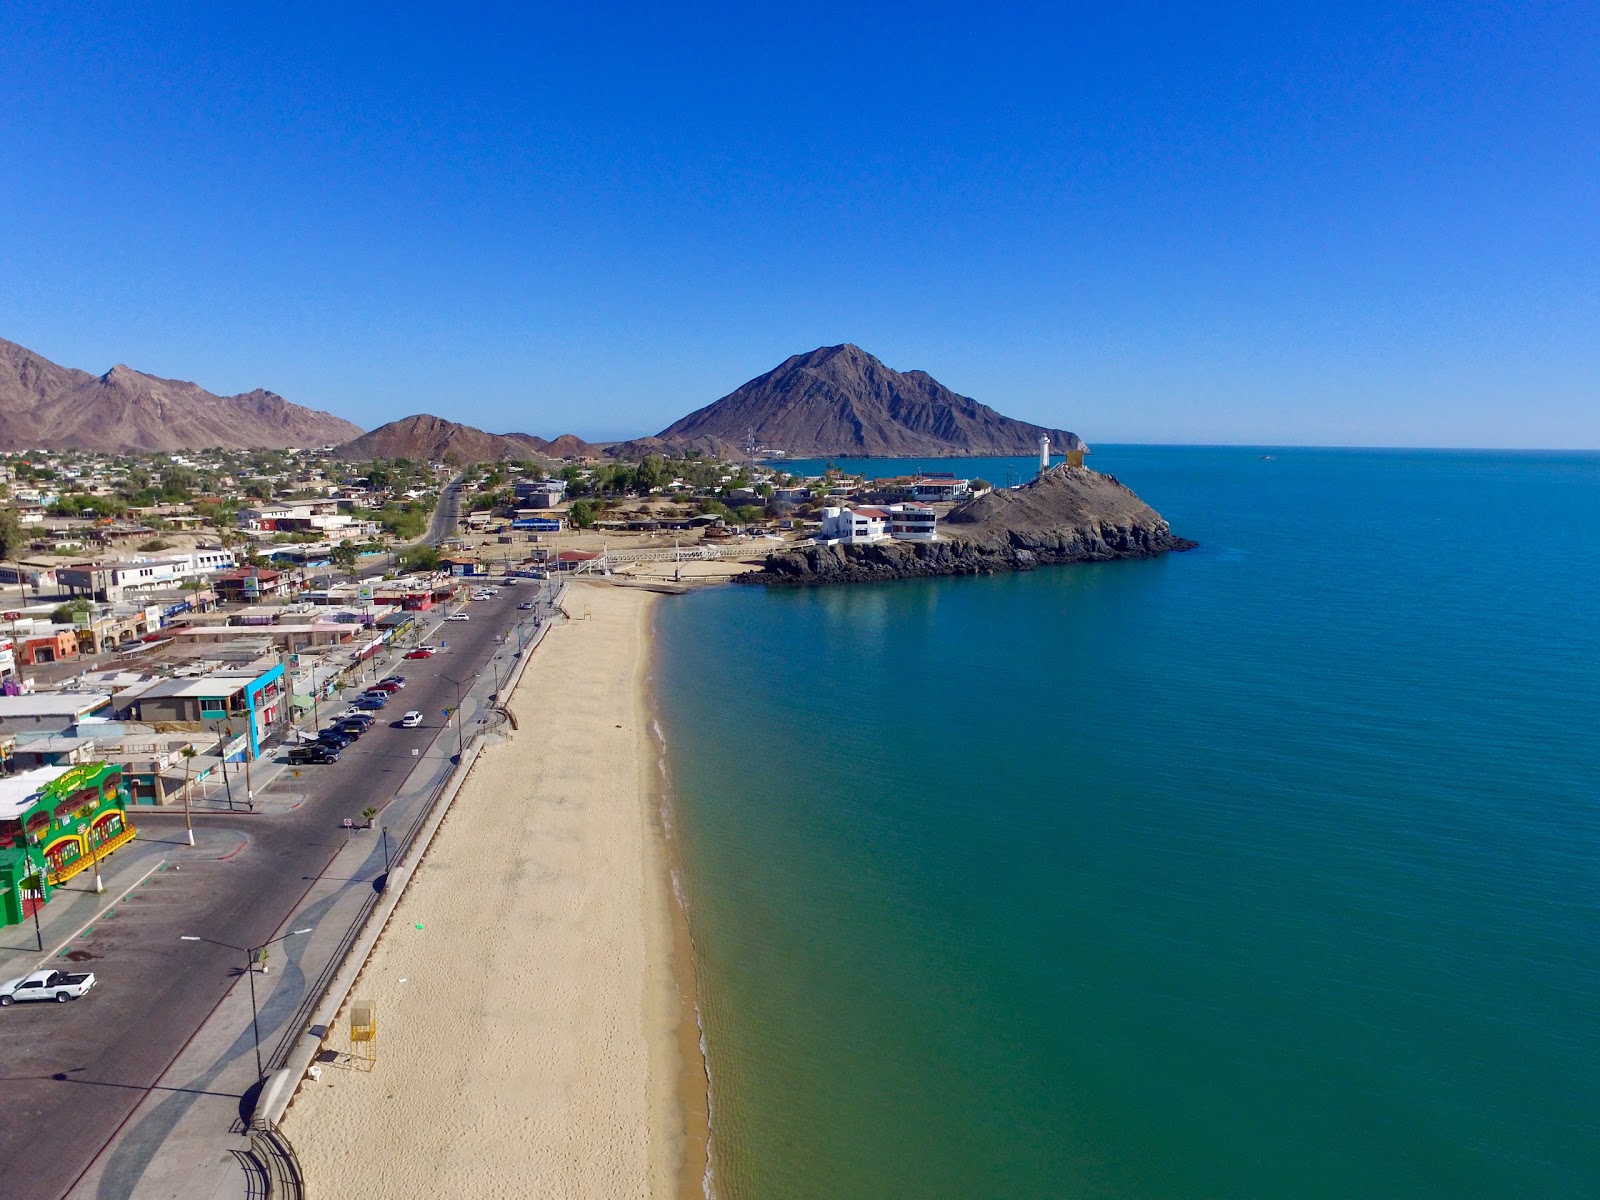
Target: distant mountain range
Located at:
point(45, 406)
point(837, 400)
point(434, 439)
point(834, 401)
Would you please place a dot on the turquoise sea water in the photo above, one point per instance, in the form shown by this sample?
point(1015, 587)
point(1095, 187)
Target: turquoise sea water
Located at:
point(1268, 870)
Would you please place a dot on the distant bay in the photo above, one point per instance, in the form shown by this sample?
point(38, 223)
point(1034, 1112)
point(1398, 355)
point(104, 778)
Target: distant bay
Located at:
point(1267, 870)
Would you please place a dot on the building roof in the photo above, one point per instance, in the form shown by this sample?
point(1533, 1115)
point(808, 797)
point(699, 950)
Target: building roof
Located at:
point(17, 792)
point(52, 704)
point(169, 689)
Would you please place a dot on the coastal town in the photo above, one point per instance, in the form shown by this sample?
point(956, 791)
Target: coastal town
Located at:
point(194, 645)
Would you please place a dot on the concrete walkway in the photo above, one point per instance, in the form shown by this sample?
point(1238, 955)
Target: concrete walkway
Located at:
point(187, 1138)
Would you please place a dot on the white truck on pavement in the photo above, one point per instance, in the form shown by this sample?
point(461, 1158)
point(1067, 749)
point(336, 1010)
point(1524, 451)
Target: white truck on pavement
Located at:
point(46, 985)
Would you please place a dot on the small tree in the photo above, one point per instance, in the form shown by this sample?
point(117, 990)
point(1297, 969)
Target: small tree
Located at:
point(369, 813)
point(981, 485)
point(344, 556)
point(64, 613)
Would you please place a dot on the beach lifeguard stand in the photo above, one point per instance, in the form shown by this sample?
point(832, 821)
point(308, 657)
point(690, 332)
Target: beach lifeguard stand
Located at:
point(363, 1034)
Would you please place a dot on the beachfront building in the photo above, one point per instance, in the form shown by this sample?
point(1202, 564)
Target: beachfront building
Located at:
point(56, 822)
point(855, 526)
point(911, 523)
point(241, 704)
point(864, 525)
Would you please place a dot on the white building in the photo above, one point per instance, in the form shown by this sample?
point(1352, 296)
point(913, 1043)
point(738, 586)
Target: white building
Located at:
point(301, 516)
point(903, 522)
point(112, 582)
point(854, 525)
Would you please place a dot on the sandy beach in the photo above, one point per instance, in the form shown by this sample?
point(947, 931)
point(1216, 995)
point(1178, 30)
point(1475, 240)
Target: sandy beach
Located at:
point(534, 1026)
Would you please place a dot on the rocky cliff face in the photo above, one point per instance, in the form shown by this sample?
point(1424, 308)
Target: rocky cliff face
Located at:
point(1068, 515)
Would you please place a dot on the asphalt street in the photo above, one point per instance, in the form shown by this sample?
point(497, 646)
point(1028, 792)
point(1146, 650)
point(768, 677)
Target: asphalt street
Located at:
point(70, 1074)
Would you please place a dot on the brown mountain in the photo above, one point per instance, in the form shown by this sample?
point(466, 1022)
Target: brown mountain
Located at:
point(840, 400)
point(51, 407)
point(433, 439)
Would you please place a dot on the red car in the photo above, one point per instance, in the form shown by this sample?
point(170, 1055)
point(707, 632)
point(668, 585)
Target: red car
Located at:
point(389, 688)
point(419, 654)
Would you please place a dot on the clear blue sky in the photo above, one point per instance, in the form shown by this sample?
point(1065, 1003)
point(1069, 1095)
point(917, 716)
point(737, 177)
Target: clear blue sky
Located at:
point(1343, 224)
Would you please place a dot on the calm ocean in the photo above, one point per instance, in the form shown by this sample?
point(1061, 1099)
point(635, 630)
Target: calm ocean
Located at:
point(1267, 870)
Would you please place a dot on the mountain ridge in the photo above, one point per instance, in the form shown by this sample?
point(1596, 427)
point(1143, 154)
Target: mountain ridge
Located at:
point(841, 400)
point(424, 436)
point(46, 406)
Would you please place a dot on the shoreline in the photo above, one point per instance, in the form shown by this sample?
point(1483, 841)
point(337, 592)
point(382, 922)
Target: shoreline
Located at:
point(535, 984)
point(691, 1111)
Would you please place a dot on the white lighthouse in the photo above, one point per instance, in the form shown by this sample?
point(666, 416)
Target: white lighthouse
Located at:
point(1044, 453)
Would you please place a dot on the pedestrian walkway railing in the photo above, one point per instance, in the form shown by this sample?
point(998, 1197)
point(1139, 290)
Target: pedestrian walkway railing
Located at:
point(278, 1161)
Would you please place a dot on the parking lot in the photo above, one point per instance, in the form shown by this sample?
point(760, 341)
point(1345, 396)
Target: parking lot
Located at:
point(72, 1072)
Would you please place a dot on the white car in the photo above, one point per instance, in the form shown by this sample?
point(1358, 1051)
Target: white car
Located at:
point(458, 617)
point(46, 985)
point(411, 720)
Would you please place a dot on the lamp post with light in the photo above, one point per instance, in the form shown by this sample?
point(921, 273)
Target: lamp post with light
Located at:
point(250, 970)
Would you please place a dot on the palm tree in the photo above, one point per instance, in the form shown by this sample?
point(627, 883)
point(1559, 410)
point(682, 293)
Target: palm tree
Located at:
point(188, 760)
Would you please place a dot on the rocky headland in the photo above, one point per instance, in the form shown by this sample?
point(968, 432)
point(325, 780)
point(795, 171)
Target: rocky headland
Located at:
point(1068, 515)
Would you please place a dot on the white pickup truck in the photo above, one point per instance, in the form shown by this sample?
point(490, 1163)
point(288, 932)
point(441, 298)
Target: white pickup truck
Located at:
point(46, 985)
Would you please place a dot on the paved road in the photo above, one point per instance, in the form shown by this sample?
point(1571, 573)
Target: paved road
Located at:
point(447, 513)
point(70, 1074)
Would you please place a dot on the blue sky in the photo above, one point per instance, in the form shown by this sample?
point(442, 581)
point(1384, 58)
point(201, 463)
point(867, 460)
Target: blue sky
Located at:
point(1361, 226)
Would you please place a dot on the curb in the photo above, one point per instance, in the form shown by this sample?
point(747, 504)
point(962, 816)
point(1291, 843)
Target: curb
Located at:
point(284, 1084)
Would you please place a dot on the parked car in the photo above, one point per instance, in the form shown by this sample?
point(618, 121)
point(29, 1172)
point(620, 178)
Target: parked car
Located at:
point(417, 654)
point(46, 985)
point(411, 720)
point(458, 617)
point(351, 729)
point(398, 680)
point(387, 689)
point(354, 714)
point(323, 752)
point(334, 737)
point(372, 703)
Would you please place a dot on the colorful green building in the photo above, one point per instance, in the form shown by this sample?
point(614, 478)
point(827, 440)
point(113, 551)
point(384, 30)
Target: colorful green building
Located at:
point(54, 823)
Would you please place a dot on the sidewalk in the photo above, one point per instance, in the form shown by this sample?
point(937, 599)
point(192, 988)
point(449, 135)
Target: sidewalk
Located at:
point(187, 1137)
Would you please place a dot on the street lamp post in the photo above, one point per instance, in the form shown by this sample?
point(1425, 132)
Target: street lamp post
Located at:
point(250, 970)
point(460, 740)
